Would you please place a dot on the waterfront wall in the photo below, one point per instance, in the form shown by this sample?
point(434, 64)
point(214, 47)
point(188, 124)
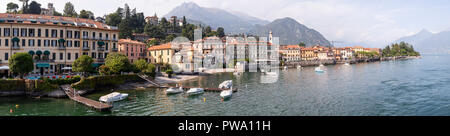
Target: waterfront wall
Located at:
point(105, 82)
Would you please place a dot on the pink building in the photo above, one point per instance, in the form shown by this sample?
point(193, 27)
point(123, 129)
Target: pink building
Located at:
point(134, 50)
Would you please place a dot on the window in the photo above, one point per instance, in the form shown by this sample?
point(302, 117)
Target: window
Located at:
point(77, 34)
point(76, 55)
point(61, 56)
point(54, 56)
point(39, 43)
point(31, 32)
point(106, 46)
point(6, 56)
point(46, 32)
point(93, 34)
point(23, 42)
point(93, 55)
point(31, 42)
point(93, 45)
point(23, 32)
point(100, 55)
point(6, 32)
point(69, 34)
point(106, 55)
point(69, 43)
point(39, 33)
point(69, 56)
point(15, 32)
point(54, 42)
point(6, 42)
point(61, 33)
point(0, 31)
point(54, 33)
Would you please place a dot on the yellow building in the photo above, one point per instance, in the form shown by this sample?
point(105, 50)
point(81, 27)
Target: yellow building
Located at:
point(309, 53)
point(55, 42)
point(290, 53)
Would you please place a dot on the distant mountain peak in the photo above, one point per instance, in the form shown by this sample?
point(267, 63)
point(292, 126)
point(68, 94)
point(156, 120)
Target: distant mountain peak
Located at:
point(189, 5)
point(424, 31)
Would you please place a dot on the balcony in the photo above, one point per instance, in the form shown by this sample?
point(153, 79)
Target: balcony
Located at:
point(101, 48)
point(107, 39)
point(86, 48)
point(85, 37)
point(100, 38)
point(61, 47)
point(114, 40)
point(15, 47)
point(44, 61)
point(115, 49)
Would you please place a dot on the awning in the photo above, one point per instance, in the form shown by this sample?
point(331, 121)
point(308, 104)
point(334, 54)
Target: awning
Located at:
point(31, 53)
point(46, 52)
point(42, 65)
point(39, 52)
point(15, 39)
point(97, 64)
point(4, 68)
point(101, 43)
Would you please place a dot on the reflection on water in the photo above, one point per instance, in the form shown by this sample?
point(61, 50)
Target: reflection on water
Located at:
point(410, 87)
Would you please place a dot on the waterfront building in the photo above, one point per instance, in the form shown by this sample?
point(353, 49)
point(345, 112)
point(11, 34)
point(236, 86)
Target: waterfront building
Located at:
point(134, 50)
point(358, 49)
point(55, 42)
point(308, 53)
point(347, 53)
point(337, 54)
point(290, 53)
point(161, 53)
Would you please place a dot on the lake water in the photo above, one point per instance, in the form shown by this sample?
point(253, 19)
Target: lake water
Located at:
point(405, 87)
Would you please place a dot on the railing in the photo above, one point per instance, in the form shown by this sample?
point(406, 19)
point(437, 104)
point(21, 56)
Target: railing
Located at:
point(85, 37)
point(115, 49)
point(44, 61)
point(100, 59)
point(86, 48)
point(15, 47)
point(62, 47)
point(101, 48)
point(114, 39)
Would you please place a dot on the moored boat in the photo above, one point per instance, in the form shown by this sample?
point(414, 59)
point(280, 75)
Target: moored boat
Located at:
point(195, 91)
point(113, 97)
point(226, 93)
point(319, 70)
point(174, 90)
point(226, 84)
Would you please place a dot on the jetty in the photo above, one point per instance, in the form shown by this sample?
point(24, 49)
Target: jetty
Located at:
point(88, 102)
point(146, 78)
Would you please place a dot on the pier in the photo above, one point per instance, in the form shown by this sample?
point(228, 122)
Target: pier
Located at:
point(88, 102)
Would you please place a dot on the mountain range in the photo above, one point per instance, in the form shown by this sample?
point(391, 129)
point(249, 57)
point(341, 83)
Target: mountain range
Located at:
point(288, 29)
point(429, 43)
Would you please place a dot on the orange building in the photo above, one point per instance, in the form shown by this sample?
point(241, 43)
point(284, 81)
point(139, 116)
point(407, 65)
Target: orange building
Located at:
point(134, 50)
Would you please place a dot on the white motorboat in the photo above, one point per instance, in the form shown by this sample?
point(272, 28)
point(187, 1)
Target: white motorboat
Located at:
point(321, 65)
point(174, 90)
point(319, 70)
point(195, 91)
point(347, 64)
point(285, 67)
point(226, 84)
point(226, 93)
point(299, 67)
point(113, 97)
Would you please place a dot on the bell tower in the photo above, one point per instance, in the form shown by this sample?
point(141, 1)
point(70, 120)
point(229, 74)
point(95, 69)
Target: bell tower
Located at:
point(270, 36)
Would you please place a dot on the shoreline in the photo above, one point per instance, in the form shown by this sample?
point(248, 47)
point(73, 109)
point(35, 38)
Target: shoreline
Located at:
point(176, 79)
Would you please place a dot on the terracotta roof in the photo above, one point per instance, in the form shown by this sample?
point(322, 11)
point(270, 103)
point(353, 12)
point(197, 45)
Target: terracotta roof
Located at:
point(54, 20)
point(129, 41)
point(161, 47)
point(290, 47)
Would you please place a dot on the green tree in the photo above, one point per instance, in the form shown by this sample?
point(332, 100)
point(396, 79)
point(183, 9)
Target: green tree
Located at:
point(12, 7)
point(220, 32)
point(34, 8)
point(141, 65)
point(117, 63)
point(83, 64)
point(56, 13)
point(24, 6)
point(69, 10)
point(154, 31)
point(86, 14)
point(125, 31)
point(21, 63)
point(302, 44)
point(113, 19)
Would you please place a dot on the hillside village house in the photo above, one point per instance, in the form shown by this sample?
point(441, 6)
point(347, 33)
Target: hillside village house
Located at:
point(134, 50)
point(55, 42)
point(347, 53)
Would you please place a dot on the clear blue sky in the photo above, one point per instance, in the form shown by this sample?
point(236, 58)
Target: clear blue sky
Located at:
point(373, 22)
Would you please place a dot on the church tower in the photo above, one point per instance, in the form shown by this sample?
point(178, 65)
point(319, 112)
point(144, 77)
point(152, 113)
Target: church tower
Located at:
point(270, 37)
